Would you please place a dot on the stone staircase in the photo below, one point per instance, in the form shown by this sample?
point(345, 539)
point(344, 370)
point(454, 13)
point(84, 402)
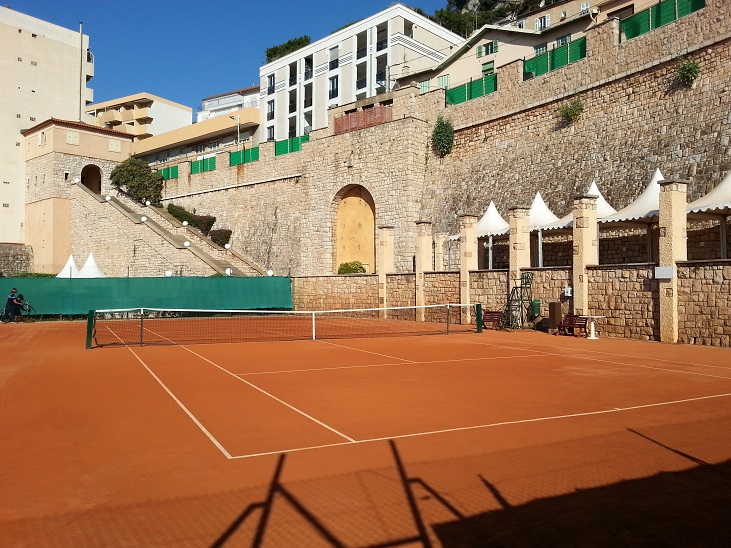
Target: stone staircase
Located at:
point(171, 230)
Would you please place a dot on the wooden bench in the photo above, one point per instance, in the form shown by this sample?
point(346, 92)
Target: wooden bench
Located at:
point(491, 319)
point(572, 324)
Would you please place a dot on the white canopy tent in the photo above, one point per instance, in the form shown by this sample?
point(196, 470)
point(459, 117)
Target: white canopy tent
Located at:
point(603, 209)
point(538, 216)
point(69, 270)
point(715, 204)
point(491, 224)
point(646, 205)
point(91, 269)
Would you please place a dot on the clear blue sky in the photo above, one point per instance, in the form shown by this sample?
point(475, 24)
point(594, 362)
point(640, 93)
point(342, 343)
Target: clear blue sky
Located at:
point(184, 50)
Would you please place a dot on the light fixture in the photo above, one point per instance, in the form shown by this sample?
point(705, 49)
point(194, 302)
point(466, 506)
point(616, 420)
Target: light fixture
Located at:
point(147, 202)
point(227, 246)
point(185, 223)
point(168, 273)
point(186, 243)
point(108, 198)
point(229, 272)
point(270, 273)
point(143, 218)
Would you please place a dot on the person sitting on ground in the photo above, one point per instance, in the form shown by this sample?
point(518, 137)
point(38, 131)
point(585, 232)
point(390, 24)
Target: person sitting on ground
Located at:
point(18, 305)
point(9, 315)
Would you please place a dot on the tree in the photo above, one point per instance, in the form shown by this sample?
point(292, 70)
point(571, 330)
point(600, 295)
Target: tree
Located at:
point(275, 52)
point(138, 180)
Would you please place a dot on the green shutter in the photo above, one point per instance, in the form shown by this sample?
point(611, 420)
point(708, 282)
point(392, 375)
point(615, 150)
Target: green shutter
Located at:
point(255, 154)
point(281, 147)
point(635, 25)
point(494, 46)
point(195, 167)
point(490, 83)
point(235, 158)
point(538, 65)
point(174, 172)
point(686, 7)
point(479, 50)
point(662, 13)
point(211, 164)
point(456, 95)
point(577, 49)
point(558, 57)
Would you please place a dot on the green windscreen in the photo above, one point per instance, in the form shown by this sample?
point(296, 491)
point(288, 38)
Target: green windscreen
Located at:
point(67, 296)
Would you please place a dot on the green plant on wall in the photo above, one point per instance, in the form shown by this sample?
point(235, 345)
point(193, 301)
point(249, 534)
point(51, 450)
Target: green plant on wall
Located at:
point(571, 111)
point(687, 70)
point(353, 267)
point(442, 137)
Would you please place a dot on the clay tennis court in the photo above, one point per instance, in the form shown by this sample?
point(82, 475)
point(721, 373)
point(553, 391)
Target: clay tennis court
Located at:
point(498, 438)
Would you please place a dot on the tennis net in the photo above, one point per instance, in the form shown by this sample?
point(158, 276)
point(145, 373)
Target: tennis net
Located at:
point(147, 326)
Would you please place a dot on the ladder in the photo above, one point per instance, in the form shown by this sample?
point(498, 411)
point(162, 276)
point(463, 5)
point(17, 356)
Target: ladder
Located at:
point(516, 312)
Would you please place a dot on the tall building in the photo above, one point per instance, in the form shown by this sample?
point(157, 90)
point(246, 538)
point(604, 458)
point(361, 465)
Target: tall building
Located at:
point(357, 62)
point(227, 103)
point(46, 69)
point(140, 115)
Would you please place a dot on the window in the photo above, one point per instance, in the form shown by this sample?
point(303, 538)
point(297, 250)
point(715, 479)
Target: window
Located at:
point(424, 86)
point(585, 7)
point(213, 145)
point(563, 40)
point(443, 81)
point(270, 84)
point(487, 49)
point(333, 87)
point(488, 68)
point(17, 115)
point(270, 133)
point(520, 24)
point(33, 63)
point(6, 205)
point(200, 148)
point(32, 118)
point(20, 58)
point(543, 22)
point(334, 61)
point(540, 49)
point(270, 111)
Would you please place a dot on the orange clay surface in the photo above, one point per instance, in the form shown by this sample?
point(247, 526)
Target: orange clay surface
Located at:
point(499, 438)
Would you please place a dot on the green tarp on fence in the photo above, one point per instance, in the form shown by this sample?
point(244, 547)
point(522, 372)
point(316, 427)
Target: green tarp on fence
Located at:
point(68, 296)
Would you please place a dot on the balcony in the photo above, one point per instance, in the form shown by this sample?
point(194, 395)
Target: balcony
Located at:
point(363, 119)
point(111, 116)
point(292, 107)
point(362, 52)
point(292, 80)
point(308, 102)
point(381, 44)
point(335, 63)
point(360, 84)
point(332, 94)
point(270, 116)
point(270, 90)
point(308, 73)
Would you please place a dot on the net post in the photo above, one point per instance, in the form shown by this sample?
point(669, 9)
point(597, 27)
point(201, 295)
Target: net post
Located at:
point(142, 317)
point(313, 327)
point(449, 317)
point(478, 317)
point(90, 328)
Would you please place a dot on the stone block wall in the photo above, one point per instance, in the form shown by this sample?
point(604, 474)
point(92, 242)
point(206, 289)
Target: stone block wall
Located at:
point(627, 296)
point(441, 288)
point(549, 285)
point(335, 292)
point(704, 303)
point(45, 175)
point(15, 259)
point(489, 288)
point(400, 290)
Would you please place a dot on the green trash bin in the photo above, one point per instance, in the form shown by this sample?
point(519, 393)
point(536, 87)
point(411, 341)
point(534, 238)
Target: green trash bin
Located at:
point(535, 309)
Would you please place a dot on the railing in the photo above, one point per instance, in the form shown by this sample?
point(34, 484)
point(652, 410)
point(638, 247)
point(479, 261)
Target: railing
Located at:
point(332, 93)
point(243, 156)
point(360, 84)
point(362, 119)
point(270, 116)
point(292, 80)
point(292, 107)
point(362, 52)
point(554, 59)
point(270, 90)
point(381, 44)
point(657, 16)
point(472, 90)
point(308, 102)
point(290, 145)
point(335, 63)
point(308, 73)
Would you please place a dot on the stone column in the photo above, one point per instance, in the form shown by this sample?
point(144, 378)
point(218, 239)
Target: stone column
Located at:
point(519, 243)
point(586, 249)
point(673, 247)
point(423, 262)
point(467, 260)
point(439, 241)
point(384, 261)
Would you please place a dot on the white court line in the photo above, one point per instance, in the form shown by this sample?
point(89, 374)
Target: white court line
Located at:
point(292, 407)
point(432, 362)
point(366, 351)
point(612, 362)
point(490, 425)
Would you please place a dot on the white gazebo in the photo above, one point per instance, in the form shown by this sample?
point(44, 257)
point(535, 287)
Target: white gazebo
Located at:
point(538, 216)
point(715, 205)
point(491, 224)
point(69, 270)
point(91, 269)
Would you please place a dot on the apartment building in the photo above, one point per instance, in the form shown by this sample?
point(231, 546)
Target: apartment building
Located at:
point(227, 103)
point(141, 115)
point(360, 61)
point(46, 70)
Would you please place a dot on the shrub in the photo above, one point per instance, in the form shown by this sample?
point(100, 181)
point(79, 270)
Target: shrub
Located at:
point(571, 111)
point(443, 137)
point(687, 70)
point(353, 267)
point(220, 236)
point(181, 214)
point(204, 223)
point(34, 275)
point(141, 183)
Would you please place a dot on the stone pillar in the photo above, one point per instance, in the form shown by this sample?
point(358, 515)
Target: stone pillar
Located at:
point(673, 247)
point(384, 261)
point(423, 262)
point(467, 260)
point(586, 249)
point(519, 243)
point(439, 241)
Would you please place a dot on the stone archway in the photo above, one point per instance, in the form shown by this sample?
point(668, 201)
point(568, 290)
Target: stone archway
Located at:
point(91, 178)
point(355, 227)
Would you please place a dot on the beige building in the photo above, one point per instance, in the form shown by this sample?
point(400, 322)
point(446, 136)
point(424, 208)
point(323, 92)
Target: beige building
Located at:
point(59, 154)
point(140, 115)
point(226, 103)
point(354, 63)
point(46, 69)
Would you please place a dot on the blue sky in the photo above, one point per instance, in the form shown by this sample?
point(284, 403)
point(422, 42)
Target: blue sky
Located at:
point(183, 50)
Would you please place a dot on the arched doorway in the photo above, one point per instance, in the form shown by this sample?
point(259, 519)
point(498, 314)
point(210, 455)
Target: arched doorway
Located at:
point(91, 178)
point(355, 227)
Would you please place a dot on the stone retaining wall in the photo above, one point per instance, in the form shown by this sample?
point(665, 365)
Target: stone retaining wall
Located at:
point(15, 259)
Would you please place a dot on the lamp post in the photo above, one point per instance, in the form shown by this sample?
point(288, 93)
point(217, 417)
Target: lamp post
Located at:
point(238, 129)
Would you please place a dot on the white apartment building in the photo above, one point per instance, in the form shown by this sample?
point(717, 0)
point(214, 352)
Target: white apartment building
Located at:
point(141, 115)
point(357, 62)
point(227, 103)
point(46, 69)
